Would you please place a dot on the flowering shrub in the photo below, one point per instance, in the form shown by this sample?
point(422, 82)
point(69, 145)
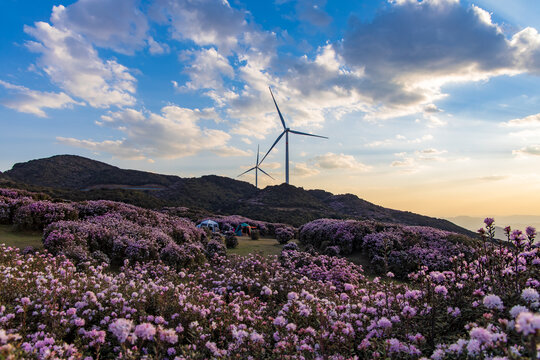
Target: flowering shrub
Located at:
point(230, 239)
point(293, 306)
point(38, 214)
point(348, 235)
point(215, 248)
point(284, 235)
point(389, 247)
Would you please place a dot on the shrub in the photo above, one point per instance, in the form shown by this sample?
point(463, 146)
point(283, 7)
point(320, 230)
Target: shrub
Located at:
point(215, 248)
point(284, 235)
point(38, 214)
point(389, 247)
point(255, 234)
point(231, 241)
point(290, 247)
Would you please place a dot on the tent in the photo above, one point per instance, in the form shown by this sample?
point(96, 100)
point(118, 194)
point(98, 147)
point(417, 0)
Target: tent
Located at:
point(210, 224)
point(242, 229)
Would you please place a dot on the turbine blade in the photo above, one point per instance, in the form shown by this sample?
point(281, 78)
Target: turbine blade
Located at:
point(253, 168)
point(302, 133)
point(274, 144)
point(279, 112)
point(265, 173)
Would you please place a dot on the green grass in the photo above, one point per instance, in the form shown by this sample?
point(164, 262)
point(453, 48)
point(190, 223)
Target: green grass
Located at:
point(263, 246)
point(20, 239)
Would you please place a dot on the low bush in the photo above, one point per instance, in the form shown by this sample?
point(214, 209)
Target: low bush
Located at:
point(231, 241)
point(284, 235)
point(255, 235)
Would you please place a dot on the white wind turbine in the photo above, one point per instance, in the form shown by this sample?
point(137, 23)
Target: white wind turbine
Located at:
point(285, 132)
point(256, 168)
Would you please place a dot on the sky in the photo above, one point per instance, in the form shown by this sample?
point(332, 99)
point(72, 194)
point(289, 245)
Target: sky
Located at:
point(430, 106)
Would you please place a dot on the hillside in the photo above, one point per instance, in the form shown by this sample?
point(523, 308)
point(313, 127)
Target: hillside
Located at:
point(78, 178)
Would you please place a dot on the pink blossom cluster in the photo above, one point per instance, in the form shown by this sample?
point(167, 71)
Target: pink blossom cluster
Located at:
point(296, 306)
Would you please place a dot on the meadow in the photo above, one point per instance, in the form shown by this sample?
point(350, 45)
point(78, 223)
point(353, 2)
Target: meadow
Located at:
point(117, 281)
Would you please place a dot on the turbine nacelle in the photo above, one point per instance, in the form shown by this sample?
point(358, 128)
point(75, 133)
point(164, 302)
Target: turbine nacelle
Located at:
point(286, 131)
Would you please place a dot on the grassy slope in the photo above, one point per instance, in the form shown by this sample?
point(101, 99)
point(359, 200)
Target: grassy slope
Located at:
point(20, 239)
point(264, 246)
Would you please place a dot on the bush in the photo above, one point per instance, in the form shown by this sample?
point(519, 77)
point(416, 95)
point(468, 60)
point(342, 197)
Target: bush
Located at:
point(230, 240)
point(255, 234)
point(38, 214)
point(284, 235)
point(215, 248)
point(290, 247)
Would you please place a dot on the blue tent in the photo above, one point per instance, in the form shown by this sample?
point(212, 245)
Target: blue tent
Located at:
point(210, 224)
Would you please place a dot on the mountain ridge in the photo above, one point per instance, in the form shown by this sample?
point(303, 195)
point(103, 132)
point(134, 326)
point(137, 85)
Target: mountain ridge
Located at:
point(79, 178)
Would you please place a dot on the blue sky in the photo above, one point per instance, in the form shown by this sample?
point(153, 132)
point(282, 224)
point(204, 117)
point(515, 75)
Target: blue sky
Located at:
point(430, 106)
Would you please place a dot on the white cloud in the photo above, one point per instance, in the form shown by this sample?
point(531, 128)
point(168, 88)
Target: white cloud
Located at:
point(74, 65)
point(156, 48)
point(338, 161)
point(172, 134)
point(205, 22)
point(406, 60)
point(533, 150)
point(33, 101)
point(527, 121)
point(116, 147)
point(207, 69)
point(302, 169)
point(116, 24)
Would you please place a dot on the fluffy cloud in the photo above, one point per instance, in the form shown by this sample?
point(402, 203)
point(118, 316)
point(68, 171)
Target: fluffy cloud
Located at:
point(302, 169)
point(33, 102)
point(527, 121)
point(73, 64)
point(207, 70)
point(410, 51)
point(172, 134)
point(338, 161)
point(533, 150)
point(116, 24)
point(206, 22)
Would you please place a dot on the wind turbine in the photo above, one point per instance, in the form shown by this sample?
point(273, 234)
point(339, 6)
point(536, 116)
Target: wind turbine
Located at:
point(286, 132)
point(256, 168)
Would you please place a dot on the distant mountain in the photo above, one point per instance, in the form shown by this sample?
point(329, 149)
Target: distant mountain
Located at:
point(77, 178)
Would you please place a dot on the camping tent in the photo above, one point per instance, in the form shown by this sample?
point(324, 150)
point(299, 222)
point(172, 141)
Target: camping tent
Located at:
point(210, 224)
point(242, 229)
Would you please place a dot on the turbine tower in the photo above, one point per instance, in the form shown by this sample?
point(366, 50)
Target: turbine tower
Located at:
point(285, 132)
point(256, 168)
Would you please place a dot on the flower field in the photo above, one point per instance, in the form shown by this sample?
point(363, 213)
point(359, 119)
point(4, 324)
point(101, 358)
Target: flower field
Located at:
point(176, 298)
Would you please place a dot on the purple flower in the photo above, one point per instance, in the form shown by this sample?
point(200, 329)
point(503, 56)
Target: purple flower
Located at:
point(441, 289)
point(145, 331)
point(528, 323)
point(529, 294)
point(121, 328)
point(493, 302)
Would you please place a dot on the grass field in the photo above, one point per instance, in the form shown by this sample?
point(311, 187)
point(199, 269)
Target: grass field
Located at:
point(263, 246)
point(20, 239)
